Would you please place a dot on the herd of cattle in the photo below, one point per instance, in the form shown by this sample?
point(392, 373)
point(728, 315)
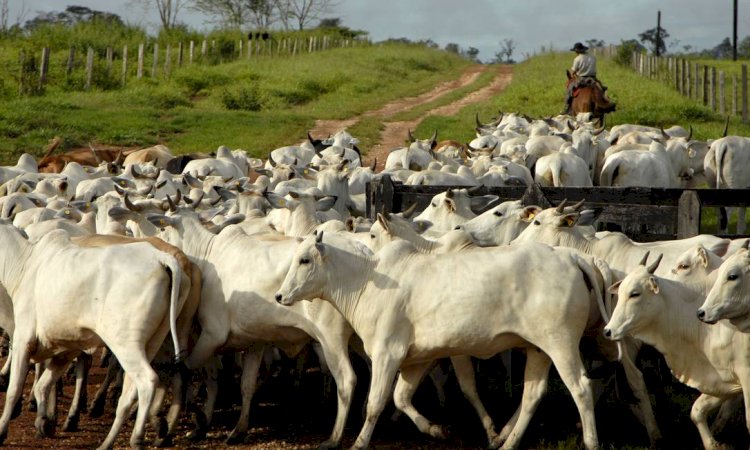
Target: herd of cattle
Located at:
point(170, 262)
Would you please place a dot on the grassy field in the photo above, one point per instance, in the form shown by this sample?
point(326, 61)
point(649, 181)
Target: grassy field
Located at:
point(256, 105)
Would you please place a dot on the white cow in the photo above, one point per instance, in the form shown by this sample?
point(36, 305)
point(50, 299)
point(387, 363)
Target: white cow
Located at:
point(562, 169)
point(711, 359)
point(653, 168)
point(499, 225)
point(728, 298)
point(386, 297)
point(100, 285)
point(452, 208)
point(726, 165)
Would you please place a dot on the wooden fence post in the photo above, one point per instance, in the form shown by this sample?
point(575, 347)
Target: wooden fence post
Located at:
point(690, 75)
point(705, 85)
point(722, 102)
point(239, 53)
point(734, 94)
point(89, 67)
point(44, 67)
point(71, 62)
point(191, 52)
point(684, 67)
point(124, 63)
point(744, 93)
point(168, 61)
point(139, 72)
point(712, 91)
point(204, 48)
point(688, 215)
point(155, 65)
point(180, 54)
point(677, 74)
point(109, 55)
point(697, 73)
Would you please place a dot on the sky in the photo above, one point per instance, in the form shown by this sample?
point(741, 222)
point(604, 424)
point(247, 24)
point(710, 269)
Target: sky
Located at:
point(484, 24)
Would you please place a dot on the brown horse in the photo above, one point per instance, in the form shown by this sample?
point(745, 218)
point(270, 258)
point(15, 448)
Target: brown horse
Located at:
point(589, 97)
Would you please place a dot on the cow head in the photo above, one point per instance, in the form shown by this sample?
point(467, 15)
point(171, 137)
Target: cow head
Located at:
point(728, 298)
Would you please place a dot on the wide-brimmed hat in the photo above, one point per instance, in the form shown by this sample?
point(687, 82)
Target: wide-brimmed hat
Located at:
point(578, 47)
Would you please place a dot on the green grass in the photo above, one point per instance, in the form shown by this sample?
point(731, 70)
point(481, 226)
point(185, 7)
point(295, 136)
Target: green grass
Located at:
point(256, 104)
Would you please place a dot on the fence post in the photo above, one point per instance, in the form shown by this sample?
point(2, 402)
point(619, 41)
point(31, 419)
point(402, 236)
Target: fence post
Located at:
point(124, 63)
point(239, 53)
point(705, 85)
point(109, 55)
point(180, 54)
point(204, 48)
point(722, 102)
point(89, 67)
point(191, 52)
point(697, 73)
point(688, 215)
point(676, 72)
point(744, 93)
point(44, 67)
point(684, 80)
point(71, 62)
point(155, 65)
point(139, 73)
point(167, 61)
point(690, 75)
point(734, 94)
point(713, 88)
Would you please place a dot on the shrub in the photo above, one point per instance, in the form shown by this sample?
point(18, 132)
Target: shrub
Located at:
point(245, 98)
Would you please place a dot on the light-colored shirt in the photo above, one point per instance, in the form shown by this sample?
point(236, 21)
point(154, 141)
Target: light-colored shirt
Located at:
point(584, 65)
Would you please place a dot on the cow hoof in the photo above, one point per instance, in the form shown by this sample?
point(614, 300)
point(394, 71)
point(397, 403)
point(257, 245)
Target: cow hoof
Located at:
point(196, 435)
point(71, 424)
point(138, 444)
point(163, 442)
point(2, 437)
point(496, 442)
point(45, 428)
point(329, 445)
point(236, 437)
point(438, 432)
point(97, 409)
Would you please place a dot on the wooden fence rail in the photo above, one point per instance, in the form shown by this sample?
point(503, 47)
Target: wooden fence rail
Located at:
point(700, 82)
point(644, 214)
point(163, 59)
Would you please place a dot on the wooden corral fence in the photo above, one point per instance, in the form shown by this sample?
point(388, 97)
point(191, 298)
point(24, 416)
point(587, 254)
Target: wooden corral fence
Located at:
point(723, 92)
point(110, 67)
point(644, 214)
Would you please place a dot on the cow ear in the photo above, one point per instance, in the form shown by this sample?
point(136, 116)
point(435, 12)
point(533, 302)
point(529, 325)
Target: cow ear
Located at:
point(265, 172)
point(326, 203)
point(613, 289)
point(653, 285)
point(349, 224)
point(703, 255)
point(384, 223)
point(529, 212)
point(276, 200)
point(420, 226)
point(568, 220)
point(450, 204)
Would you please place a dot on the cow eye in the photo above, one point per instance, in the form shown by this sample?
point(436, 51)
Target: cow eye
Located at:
point(498, 213)
point(304, 261)
point(635, 294)
point(732, 276)
point(372, 236)
point(683, 267)
point(536, 222)
point(433, 205)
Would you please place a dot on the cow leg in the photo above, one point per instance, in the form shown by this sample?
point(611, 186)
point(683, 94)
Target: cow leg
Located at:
point(406, 384)
point(251, 360)
point(126, 401)
point(466, 380)
point(384, 368)
point(729, 407)
point(203, 417)
point(702, 407)
point(18, 371)
point(644, 412)
point(179, 387)
point(570, 368)
point(83, 364)
point(100, 398)
point(32, 403)
point(336, 356)
point(5, 374)
point(46, 417)
point(535, 378)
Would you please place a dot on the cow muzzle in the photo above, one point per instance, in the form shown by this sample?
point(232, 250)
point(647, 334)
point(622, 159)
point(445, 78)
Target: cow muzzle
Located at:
point(703, 317)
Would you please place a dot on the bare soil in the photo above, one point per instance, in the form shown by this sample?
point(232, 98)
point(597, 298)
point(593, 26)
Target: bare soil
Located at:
point(395, 132)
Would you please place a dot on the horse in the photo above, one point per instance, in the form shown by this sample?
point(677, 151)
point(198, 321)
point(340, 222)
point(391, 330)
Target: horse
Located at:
point(589, 97)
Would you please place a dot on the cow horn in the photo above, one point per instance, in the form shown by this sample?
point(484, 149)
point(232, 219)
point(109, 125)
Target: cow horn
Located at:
point(499, 118)
point(479, 124)
point(652, 268)
point(433, 138)
point(474, 189)
point(410, 136)
point(690, 135)
point(146, 190)
point(271, 161)
point(578, 205)
point(96, 155)
point(471, 149)
point(408, 212)
point(228, 179)
point(131, 206)
point(120, 158)
point(726, 127)
point(52, 146)
point(310, 138)
point(561, 207)
point(374, 165)
point(319, 237)
point(197, 202)
point(178, 197)
point(172, 206)
point(598, 131)
point(134, 171)
point(571, 126)
point(664, 133)
point(746, 244)
point(644, 259)
point(449, 193)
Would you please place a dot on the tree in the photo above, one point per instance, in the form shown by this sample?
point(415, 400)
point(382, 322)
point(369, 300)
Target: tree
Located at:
point(743, 47)
point(230, 13)
point(302, 12)
point(472, 53)
point(656, 41)
point(723, 50)
point(452, 47)
point(168, 10)
point(505, 54)
point(72, 15)
point(594, 43)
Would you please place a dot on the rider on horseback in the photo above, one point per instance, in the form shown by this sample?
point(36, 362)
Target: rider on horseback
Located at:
point(584, 66)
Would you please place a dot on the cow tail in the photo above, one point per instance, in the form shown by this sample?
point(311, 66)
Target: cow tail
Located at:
point(721, 151)
point(171, 264)
point(556, 168)
point(605, 179)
